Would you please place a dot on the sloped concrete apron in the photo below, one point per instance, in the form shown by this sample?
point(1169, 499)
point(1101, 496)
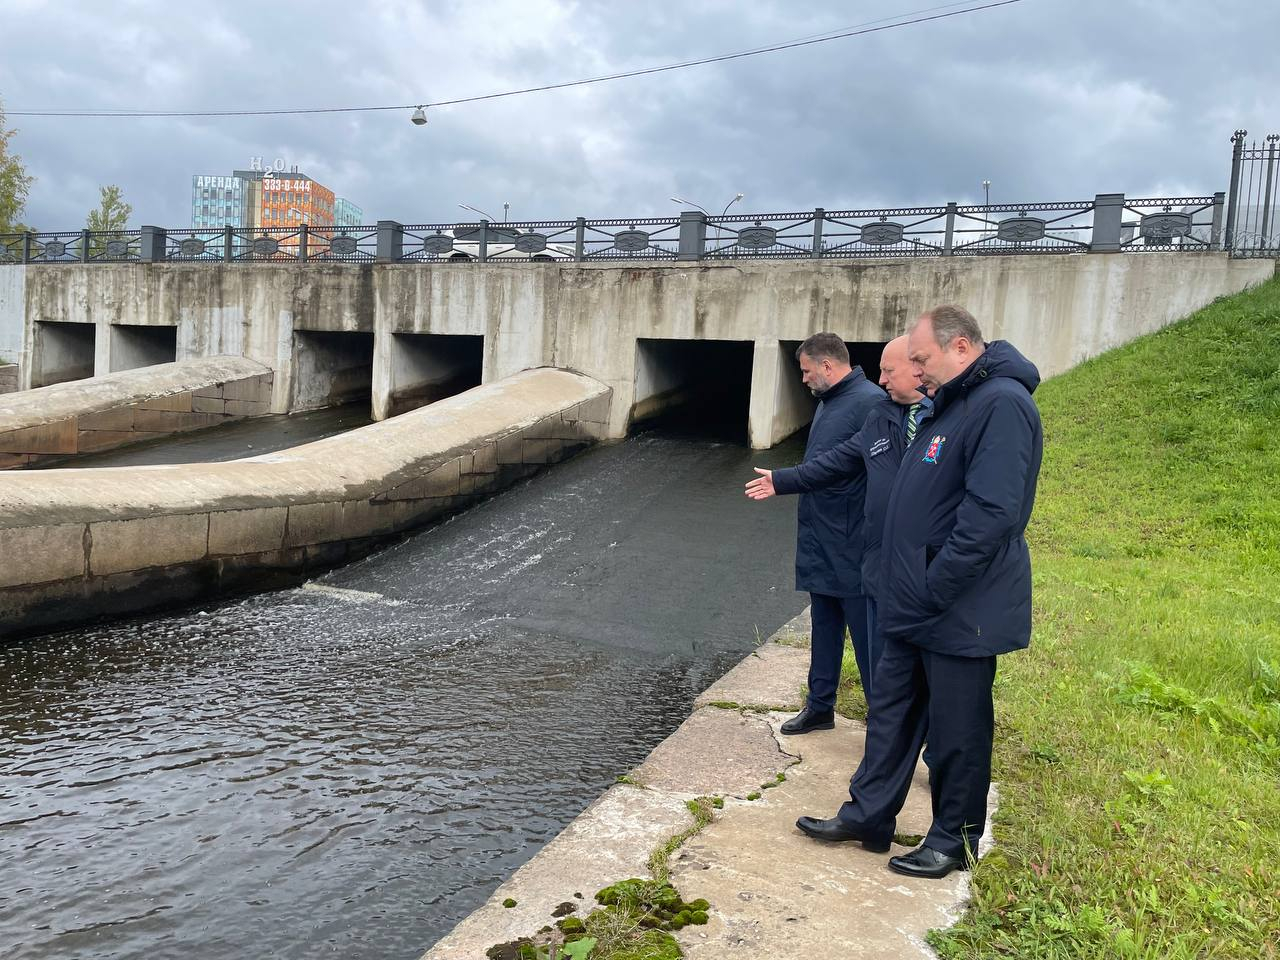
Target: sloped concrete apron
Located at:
point(774, 893)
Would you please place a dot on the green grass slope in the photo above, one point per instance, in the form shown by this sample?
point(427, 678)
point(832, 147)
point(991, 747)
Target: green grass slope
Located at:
point(1138, 740)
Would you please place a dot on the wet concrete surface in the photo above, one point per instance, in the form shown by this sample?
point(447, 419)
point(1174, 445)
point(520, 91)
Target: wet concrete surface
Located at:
point(233, 441)
point(349, 768)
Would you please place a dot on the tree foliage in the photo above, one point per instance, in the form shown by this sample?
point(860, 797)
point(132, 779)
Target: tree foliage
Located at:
point(112, 212)
point(15, 182)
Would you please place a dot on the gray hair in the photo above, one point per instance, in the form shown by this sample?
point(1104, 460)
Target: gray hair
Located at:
point(824, 346)
point(950, 321)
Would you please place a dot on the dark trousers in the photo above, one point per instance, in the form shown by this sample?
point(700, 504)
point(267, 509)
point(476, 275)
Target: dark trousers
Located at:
point(919, 691)
point(830, 617)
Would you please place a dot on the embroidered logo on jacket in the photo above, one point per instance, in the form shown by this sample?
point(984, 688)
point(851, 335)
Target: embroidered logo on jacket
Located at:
point(879, 447)
point(935, 448)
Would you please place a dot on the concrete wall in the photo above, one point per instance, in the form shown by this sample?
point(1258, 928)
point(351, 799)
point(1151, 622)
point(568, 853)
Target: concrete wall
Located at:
point(13, 313)
point(421, 368)
point(125, 538)
point(10, 377)
point(88, 416)
point(1058, 309)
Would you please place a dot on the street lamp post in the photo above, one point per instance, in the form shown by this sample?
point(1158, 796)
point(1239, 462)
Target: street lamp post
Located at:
point(986, 190)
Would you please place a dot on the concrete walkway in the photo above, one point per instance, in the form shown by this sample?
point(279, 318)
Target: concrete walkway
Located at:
point(774, 893)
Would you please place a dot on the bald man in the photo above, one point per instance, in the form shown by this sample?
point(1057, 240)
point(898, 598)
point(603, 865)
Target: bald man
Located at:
point(876, 450)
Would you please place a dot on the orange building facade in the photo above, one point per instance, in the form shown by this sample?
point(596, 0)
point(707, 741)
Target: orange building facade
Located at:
point(293, 199)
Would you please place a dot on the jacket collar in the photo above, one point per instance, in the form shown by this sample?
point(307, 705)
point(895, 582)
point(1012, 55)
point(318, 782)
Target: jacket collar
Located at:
point(848, 380)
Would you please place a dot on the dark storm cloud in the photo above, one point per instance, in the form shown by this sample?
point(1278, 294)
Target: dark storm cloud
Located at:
point(1048, 99)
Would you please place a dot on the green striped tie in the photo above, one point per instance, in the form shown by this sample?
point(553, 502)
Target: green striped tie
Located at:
point(911, 422)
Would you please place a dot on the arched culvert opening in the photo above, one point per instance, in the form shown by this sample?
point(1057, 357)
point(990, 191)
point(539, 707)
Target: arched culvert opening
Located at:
point(138, 345)
point(426, 367)
point(694, 386)
point(62, 352)
point(331, 368)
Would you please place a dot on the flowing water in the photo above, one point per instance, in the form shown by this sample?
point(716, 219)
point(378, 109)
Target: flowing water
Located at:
point(349, 768)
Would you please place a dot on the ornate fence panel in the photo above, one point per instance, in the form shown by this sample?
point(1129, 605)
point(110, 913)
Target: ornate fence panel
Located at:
point(1253, 217)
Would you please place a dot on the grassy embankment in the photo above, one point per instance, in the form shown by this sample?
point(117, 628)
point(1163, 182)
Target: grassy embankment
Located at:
point(1138, 740)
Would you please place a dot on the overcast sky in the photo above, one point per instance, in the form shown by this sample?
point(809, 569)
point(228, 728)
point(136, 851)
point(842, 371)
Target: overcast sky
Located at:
point(1049, 99)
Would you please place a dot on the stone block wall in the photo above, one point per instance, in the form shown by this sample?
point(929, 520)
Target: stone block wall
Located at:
point(150, 537)
point(134, 421)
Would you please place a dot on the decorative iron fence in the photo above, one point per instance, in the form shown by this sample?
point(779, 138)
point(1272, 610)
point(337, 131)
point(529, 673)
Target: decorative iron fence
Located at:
point(1109, 222)
point(1253, 219)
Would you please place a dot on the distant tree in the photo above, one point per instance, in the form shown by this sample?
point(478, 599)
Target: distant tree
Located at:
point(112, 213)
point(14, 184)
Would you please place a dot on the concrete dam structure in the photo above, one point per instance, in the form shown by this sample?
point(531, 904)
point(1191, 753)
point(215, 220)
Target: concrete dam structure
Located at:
point(656, 333)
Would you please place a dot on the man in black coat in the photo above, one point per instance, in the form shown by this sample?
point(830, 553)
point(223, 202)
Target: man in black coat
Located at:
point(829, 535)
point(954, 592)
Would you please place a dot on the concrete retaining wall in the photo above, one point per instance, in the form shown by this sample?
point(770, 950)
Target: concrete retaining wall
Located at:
point(10, 377)
point(1058, 309)
point(88, 416)
point(80, 543)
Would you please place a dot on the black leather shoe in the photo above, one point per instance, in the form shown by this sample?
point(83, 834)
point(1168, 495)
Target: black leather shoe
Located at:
point(810, 719)
point(926, 862)
point(836, 832)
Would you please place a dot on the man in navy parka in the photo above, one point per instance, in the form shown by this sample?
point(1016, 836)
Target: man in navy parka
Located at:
point(829, 530)
point(954, 592)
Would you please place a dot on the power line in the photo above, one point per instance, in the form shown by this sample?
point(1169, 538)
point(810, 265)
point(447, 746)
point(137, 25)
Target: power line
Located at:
point(873, 26)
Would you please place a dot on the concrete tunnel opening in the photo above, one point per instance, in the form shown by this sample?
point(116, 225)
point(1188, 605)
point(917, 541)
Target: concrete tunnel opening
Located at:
point(62, 352)
point(331, 368)
point(137, 345)
point(426, 367)
point(694, 386)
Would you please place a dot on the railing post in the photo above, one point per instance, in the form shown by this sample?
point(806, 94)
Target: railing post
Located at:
point(228, 244)
point(1215, 231)
point(1108, 221)
point(390, 241)
point(152, 245)
point(84, 246)
point(302, 243)
point(819, 215)
point(693, 235)
point(949, 237)
point(484, 241)
point(26, 246)
point(1268, 177)
point(1233, 200)
point(580, 240)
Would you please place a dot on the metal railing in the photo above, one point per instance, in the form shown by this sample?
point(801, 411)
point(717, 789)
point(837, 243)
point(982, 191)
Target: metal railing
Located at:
point(1253, 219)
point(1109, 223)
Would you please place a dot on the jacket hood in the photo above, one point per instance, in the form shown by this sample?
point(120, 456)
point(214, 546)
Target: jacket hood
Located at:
point(1000, 360)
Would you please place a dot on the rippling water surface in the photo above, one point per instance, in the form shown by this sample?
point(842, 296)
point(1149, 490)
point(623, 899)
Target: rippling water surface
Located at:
point(349, 768)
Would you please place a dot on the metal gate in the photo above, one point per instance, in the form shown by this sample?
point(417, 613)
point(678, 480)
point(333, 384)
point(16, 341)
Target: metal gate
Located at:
point(1253, 211)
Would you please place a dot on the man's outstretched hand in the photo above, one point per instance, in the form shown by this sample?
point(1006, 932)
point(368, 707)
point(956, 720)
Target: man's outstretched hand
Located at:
point(761, 488)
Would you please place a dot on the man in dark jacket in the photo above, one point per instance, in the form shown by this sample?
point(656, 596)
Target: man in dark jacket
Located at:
point(955, 591)
point(829, 535)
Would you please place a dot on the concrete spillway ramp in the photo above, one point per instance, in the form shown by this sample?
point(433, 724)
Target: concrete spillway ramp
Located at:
point(103, 413)
point(128, 538)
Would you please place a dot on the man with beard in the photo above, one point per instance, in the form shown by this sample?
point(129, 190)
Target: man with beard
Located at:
point(829, 535)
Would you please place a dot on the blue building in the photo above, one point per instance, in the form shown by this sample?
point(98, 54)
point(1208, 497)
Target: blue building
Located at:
point(346, 213)
point(218, 202)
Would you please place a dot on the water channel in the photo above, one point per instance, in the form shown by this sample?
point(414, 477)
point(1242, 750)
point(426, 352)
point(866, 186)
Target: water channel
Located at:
point(348, 768)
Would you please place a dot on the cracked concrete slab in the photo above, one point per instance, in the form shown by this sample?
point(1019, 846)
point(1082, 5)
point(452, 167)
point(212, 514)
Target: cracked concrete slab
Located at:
point(716, 752)
point(777, 894)
point(772, 677)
